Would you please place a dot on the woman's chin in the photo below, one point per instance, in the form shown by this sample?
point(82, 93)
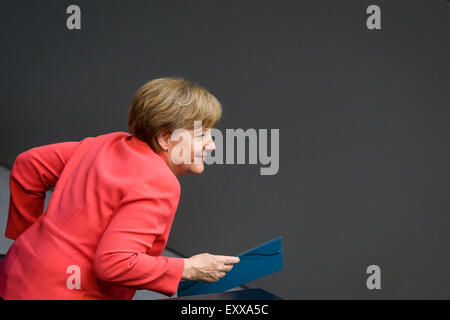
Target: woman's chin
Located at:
point(197, 168)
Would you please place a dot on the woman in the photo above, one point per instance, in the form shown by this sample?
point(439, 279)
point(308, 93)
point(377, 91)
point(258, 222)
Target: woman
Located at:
point(114, 200)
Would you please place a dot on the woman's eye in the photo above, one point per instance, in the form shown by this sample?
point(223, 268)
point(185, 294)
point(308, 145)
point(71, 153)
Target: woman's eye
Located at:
point(202, 135)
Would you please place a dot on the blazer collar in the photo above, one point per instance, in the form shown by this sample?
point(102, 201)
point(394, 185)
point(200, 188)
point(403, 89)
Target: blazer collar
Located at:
point(144, 146)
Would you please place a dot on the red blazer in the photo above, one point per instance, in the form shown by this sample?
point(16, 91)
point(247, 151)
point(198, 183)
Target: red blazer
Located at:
point(105, 227)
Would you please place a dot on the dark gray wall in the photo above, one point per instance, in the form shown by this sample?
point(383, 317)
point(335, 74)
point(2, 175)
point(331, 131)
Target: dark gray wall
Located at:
point(363, 118)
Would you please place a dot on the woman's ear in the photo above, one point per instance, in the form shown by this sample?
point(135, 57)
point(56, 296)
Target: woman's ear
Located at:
point(163, 140)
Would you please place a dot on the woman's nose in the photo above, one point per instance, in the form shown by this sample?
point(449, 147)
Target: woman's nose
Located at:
point(210, 146)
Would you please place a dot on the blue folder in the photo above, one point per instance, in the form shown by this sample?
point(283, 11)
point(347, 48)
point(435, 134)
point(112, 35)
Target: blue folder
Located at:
point(255, 263)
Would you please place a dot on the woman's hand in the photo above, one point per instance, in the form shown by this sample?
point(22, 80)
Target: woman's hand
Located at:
point(207, 267)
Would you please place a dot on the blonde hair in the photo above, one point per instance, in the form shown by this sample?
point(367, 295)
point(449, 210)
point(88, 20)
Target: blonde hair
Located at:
point(165, 104)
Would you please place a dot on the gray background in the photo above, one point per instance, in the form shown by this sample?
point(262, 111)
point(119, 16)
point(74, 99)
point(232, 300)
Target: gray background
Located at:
point(363, 118)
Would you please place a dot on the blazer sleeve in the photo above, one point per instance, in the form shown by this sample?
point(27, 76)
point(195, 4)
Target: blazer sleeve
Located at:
point(33, 173)
point(122, 258)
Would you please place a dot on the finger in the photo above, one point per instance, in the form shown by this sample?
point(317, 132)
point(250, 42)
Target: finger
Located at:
point(226, 267)
point(217, 275)
point(228, 259)
point(211, 278)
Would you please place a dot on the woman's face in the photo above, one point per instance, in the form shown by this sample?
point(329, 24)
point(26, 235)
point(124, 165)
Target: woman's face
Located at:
point(187, 150)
